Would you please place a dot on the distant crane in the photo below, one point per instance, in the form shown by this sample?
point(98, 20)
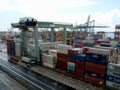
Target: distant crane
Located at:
point(89, 26)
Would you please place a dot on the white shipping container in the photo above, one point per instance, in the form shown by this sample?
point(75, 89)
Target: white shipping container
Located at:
point(18, 52)
point(100, 51)
point(64, 51)
point(80, 50)
point(45, 46)
point(18, 45)
point(113, 43)
point(112, 66)
point(18, 49)
point(49, 59)
point(49, 65)
point(71, 64)
point(32, 50)
point(113, 85)
point(62, 48)
point(53, 53)
point(114, 73)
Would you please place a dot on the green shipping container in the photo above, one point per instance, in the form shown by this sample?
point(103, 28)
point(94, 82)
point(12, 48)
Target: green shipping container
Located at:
point(71, 66)
point(90, 44)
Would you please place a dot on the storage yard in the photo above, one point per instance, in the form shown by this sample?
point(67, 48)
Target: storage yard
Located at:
point(71, 55)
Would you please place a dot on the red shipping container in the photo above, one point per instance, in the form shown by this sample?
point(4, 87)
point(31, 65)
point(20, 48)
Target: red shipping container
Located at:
point(72, 60)
point(85, 49)
point(99, 69)
point(62, 59)
point(80, 64)
point(62, 56)
point(94, 79)
point(9, 46)
point(99, 42)
point(70, 51)
point(80, 68)
point(79, 44)
point(79, 73)
point(62, 65)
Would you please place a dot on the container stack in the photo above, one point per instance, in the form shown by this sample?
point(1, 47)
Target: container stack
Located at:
point(62, 48)
point(96, 61)
point(62, 61)
point(113, 76)
point(18, 49)
point(49, 61)
point(13, 48)
point(71, 60)
point(78, 44)
point(53, 53)
point(105, 44)
point(80, 65)
point(74, 57)
point(9, 49)
point(31, 50)
point(62, 56)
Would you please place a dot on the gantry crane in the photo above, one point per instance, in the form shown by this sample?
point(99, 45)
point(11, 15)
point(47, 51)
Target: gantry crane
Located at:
point(89, 26)
point(52, 26)
point(24, 24)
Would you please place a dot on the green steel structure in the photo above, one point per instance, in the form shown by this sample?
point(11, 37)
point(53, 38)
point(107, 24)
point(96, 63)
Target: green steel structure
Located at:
point(52, 25)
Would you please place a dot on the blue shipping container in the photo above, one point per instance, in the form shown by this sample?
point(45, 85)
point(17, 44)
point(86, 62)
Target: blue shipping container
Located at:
point(97, 61)
point(80, 57)
point(72, 56)
point(97, 56)
point(100, 76)
point(113, 79)
point(12, 44)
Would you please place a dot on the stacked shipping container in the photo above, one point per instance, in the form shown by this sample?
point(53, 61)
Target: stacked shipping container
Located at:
point(89, 63)
point(95, 65)
point(80, 65)
point(62, 56)
point(10, 47)
point(113, 76)
point(71, 60)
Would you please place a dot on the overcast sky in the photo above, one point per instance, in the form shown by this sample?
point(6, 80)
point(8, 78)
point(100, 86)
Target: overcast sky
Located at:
point(104, 12)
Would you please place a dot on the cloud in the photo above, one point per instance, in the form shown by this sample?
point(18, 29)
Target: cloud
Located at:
point(42, 7)
point(49, 10)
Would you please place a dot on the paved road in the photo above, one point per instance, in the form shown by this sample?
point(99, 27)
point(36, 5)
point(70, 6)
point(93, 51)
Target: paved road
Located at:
point(7, 83)
point(39, 81)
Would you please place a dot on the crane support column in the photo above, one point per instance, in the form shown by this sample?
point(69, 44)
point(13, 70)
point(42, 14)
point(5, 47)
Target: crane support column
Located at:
point(52, 35)
point(36, 43)
point(24, 38)
point(65, 35)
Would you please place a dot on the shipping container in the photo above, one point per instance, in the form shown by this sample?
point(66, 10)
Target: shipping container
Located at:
point(62, 65)
point(113, 79)
point(113, 85)
point(71, 67)
point(94, 79)
point(97, 68)
point(80, 68)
